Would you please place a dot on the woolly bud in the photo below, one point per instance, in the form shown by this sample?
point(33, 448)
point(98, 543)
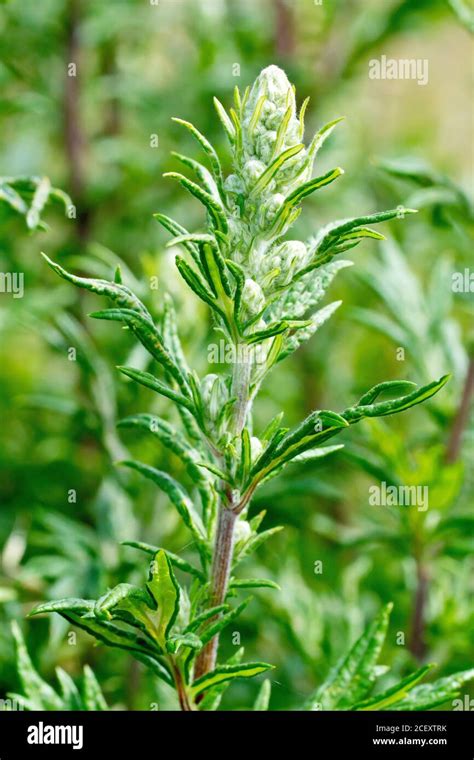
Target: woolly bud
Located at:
point(253, 299)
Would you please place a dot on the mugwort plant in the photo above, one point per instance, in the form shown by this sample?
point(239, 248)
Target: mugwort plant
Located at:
point(264, 291)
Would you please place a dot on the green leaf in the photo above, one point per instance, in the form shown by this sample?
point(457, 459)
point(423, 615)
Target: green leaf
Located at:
point(13, 199)
point(352, 678)
point(164, 589)
point(227, 673)
point(321, 136)
point(209, 150)
point(212, 698)
point(215, 209)
point(177, 495)
point(176, 641)
point(332, 233)
point(356, 413)
point(203, 175)
point(171, 335)
point(93, 697)
point(177, 230)
point(391, 387)
point(197, 284)
point(226, 122)
point(38, 692)
point(263, 697)
point(317, 427)
point(215, 268)
point(152, 382)
point(313, 184)
point(130, 604)
point(178, 444)
point(254, 542)
point(118, 293)
point(60, 605)
point(318, 453)
point(148, 335)
point(39, 200)
point(206, 615)
point(431, 695)
point(70, 696)
point(216, 627)
point(253, 583)
point(272, 169)
point(177, 561)
point(110, 634)
point(386, 699)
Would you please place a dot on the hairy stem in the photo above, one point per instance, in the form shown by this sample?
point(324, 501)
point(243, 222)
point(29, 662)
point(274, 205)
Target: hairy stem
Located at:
point(240, 388)
point(417, 644)
point(462, 417)
point(74, 137)
point(180, 688)
point(220, 574)
point(224, 541)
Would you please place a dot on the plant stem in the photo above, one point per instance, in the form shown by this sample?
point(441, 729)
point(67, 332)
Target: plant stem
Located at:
point(462, 417)
point(180, 688)
point(75, 141)
point(240, 388)
point(417, 644)
point(220, 574)
point(224, 540)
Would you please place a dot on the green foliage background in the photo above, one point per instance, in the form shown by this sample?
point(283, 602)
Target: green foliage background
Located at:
point(139, 64)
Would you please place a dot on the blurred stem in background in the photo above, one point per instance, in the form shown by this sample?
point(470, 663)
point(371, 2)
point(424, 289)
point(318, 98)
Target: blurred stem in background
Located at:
point(74, 135)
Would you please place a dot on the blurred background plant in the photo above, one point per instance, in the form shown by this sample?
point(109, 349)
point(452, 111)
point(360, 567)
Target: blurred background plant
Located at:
point(87, 94)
